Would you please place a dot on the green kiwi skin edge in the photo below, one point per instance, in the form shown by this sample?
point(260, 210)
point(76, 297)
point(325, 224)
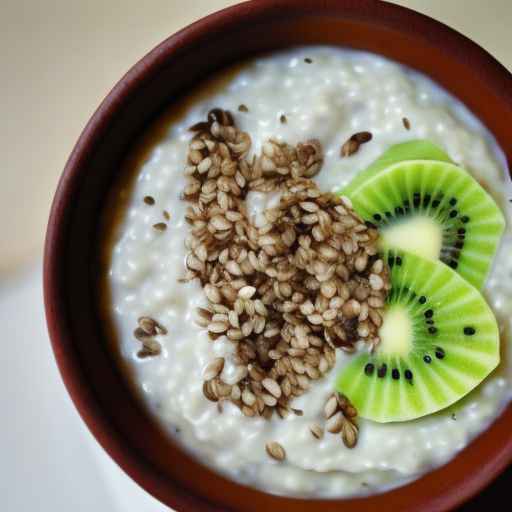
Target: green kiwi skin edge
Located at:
point(443, 367)
point(417, 149)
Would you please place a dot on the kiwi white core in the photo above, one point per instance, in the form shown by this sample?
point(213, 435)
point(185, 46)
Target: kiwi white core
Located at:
point(396, 333)
point(419, 234)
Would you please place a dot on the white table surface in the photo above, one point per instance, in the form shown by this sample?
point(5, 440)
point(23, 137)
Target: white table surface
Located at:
point(58, 60)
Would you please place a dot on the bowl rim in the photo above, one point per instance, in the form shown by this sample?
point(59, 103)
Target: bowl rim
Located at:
point(491, 71)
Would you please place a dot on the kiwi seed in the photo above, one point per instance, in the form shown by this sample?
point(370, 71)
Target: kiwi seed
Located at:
point(469, 331)
point(427, 359)
point(368, 369)
point(382, 371)
point(395, 374)
point(394, 261)
point(440, 353)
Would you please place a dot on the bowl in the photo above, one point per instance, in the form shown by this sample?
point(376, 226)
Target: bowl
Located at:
point(93, 381)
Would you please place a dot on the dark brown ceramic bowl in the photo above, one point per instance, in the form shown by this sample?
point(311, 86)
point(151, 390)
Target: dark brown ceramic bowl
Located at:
point(181, 61)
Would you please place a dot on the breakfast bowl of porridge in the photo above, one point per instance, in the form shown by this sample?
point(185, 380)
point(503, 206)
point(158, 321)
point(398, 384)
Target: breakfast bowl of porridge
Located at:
point(277, 269)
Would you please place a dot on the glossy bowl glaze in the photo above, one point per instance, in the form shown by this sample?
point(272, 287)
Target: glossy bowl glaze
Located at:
point(92, 379)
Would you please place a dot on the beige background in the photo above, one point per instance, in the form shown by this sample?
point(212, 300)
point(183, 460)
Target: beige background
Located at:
point(60, 57)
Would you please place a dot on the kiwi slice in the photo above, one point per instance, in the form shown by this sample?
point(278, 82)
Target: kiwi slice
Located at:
point(411, 150)
point(439, 340)
point(436, 210)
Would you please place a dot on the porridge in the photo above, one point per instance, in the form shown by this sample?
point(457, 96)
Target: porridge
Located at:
point(236, 304)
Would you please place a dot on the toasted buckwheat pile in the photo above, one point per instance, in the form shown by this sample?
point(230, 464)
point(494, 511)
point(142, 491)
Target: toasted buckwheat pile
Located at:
point(288, 292)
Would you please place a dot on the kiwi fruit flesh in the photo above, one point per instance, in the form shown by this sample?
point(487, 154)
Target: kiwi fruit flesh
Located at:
point(439, 340)
point(417, 149)
point(436, 210)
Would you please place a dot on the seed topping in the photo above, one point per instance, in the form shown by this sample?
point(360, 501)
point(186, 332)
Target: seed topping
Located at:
point(276, 451)
point(145, 332)
point(160, 226)
point(340, 419)
point(286, 292)
point(213, 369)
point(317, 431)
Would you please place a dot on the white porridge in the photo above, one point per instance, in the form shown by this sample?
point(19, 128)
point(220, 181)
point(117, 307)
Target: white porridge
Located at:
point(337, 94)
